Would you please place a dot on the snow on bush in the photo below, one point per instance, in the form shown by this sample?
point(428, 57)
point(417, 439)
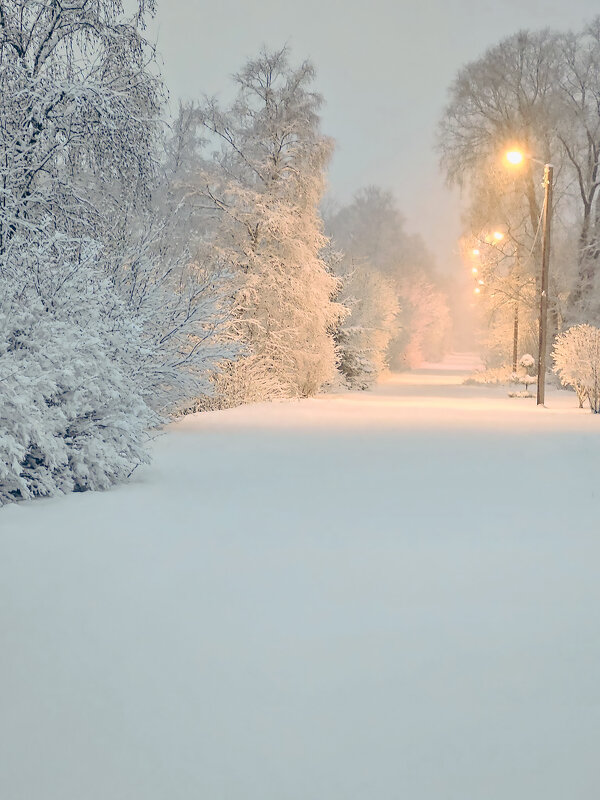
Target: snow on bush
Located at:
point(523, 377)
point(495, 376)
point(71, 416)
point(527, 361)
point(577, 363)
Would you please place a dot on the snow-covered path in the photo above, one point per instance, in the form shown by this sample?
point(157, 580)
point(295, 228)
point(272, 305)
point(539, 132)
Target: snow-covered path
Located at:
point(387, 595)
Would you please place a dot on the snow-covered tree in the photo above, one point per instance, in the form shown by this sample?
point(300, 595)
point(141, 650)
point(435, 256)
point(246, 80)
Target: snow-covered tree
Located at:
point(365, 335)
point(176, 291)
point(577, 122)
point(538, 91)
point(77, 103)
point(577, 362)
point(77, 98)
point(265, 180)
point(501, 263)
point(372, 229)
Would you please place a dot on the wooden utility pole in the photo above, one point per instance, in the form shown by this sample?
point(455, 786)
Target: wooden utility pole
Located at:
point(516, 337)
point(541, 381)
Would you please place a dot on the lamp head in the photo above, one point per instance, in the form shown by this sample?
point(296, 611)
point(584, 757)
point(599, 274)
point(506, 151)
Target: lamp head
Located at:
point(515, 157)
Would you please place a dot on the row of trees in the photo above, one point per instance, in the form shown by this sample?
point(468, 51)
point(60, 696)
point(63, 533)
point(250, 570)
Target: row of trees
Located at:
point(149, 269)
point(399, 309)
point(538, 91)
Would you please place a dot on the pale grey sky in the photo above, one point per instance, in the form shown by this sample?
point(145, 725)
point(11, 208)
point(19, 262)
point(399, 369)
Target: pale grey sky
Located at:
point(383, 67)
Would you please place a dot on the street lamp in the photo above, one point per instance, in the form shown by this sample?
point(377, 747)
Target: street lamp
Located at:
point(516, 157)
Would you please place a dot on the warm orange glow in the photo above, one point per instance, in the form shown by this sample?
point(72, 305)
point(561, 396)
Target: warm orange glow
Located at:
point(477, 290)
point(474, 270)
point(498, 236)
point(475, 252)
point(515, 157)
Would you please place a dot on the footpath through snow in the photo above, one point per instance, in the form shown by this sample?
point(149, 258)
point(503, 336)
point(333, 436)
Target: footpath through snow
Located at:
point(389, 594)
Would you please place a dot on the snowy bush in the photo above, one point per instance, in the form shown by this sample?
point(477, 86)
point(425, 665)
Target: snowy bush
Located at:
point(527, 361)
point(523, 376)
point(494, 376)
point(71, 417)
point(577, 363)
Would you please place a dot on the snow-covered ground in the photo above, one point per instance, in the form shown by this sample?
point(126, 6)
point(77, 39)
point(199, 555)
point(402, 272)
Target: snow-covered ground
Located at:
point(391, 594)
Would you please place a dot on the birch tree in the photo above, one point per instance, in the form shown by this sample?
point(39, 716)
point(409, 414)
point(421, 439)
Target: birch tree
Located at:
point(265, 179)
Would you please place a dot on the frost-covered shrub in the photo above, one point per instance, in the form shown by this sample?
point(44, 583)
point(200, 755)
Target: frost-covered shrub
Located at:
point(523, 376)
point(494, 376)
point(527, 361)
point(71, 418)
point(577, 363)
point(73, 413)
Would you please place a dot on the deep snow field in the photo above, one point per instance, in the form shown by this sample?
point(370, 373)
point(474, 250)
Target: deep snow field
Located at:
point(388, 595)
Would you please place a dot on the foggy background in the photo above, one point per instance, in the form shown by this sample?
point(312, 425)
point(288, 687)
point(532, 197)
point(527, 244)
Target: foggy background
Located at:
point(383, 68)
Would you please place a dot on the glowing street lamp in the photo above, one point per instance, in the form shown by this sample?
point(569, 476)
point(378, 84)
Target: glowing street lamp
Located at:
point(498, 236)
point(516, 157)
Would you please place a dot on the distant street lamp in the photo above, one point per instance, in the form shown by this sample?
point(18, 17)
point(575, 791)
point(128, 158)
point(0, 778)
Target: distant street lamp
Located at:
point(516, 157)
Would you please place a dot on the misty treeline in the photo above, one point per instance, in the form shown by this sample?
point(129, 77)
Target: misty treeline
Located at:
point(538, 92)
point(148, 268)
point(398, 314)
